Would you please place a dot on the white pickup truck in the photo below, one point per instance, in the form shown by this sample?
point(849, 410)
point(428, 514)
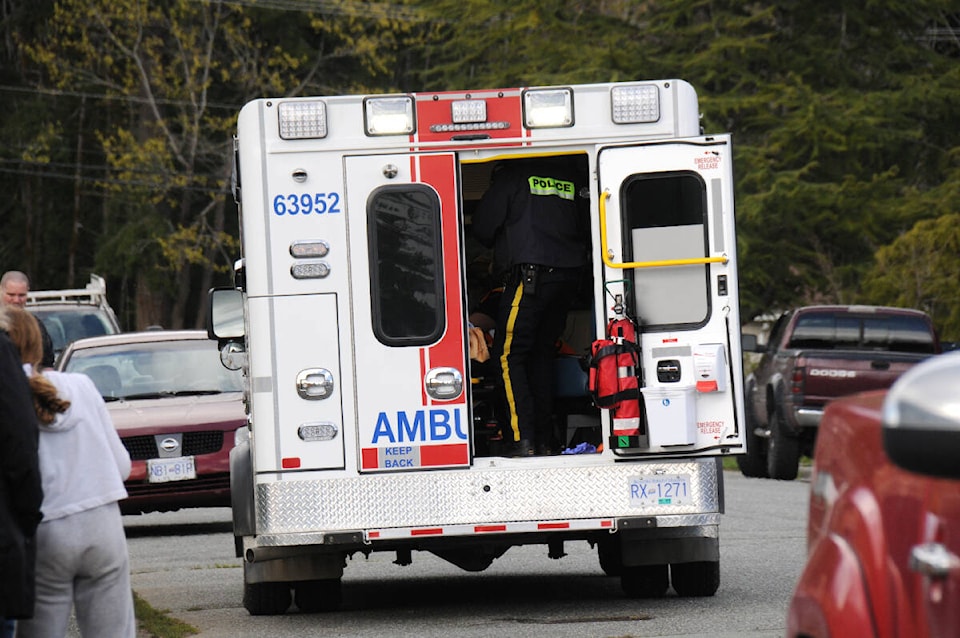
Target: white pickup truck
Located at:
point(73, 314)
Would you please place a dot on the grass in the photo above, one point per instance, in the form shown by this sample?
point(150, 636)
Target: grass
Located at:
point(158, 623)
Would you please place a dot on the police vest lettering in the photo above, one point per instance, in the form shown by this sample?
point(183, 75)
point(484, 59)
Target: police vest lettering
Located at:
point(551, 186)
point(420, 426)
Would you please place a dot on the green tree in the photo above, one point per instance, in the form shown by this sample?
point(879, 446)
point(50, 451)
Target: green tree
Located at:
point(920, 269)
point(169, 79)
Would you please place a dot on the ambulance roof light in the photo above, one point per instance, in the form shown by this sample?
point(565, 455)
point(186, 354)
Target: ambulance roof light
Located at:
point(635, 103)
point(548, 108)
point(302, 120)
point(389, 115)
point(468, 111)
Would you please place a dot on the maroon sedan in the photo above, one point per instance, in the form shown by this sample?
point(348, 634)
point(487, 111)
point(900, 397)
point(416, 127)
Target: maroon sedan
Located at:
point(176, 408)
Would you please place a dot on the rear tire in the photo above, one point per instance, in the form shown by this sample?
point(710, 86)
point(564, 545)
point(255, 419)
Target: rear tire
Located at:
point(608, 551)
point(266, 599)
point(695, 579)
point(313, 596)
point(783, 451)
point(754, 462)
point(645, 581)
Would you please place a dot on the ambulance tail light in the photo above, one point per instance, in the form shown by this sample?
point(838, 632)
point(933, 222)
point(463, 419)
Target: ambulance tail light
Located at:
point(389, 115)
point(548, 108)
point(302, 120)
point(634, 104)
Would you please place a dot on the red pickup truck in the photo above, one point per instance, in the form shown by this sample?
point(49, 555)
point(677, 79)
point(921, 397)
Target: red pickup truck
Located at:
point(816, 354)
point(883, 534)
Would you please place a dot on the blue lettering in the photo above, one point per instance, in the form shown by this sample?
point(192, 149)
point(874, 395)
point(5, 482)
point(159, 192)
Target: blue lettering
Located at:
point(383, 429)
point(414, 431)
point(439, 425)
point(398, 451)
point(398, 463)
point(412, 427)
point(456, 420)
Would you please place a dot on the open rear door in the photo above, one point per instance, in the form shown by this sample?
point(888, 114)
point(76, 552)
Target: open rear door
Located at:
point(409, 328)
point(669, 249)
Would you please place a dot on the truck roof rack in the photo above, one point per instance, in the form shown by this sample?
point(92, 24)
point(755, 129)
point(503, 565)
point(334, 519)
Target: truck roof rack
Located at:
point(95, 293)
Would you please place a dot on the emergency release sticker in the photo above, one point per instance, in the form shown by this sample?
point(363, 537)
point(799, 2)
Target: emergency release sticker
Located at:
point(648, 491)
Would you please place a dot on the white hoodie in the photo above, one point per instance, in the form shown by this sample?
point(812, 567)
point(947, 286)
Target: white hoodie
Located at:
point(82, 460)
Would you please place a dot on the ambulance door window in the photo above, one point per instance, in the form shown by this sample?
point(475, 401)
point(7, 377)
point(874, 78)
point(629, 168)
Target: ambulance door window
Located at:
point(406, 276)
point(665, 214)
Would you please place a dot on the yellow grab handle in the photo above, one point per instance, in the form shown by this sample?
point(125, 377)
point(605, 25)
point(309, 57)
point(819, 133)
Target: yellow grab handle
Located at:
point(604, 196)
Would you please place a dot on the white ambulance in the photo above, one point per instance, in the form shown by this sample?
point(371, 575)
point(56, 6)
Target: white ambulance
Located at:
point(370, 428)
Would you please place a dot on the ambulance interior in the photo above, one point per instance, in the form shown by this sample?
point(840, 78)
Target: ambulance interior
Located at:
point(576, 420)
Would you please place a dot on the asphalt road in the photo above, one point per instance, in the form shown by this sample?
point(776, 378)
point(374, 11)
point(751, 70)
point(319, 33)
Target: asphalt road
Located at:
point(183, 562)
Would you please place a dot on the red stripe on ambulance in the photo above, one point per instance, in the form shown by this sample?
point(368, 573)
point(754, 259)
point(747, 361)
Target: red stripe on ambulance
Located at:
point(491, 528)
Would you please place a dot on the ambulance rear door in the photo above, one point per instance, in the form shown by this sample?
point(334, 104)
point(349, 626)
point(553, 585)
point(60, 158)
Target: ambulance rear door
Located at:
point(409, 330)
point(669, 247)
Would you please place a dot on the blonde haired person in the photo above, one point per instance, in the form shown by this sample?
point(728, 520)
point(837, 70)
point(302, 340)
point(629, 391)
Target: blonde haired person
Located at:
point(20, 487)
point(82, 558)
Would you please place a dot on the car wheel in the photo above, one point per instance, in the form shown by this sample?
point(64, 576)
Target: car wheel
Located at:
point(645, 581)
point(608, 551)
point(266, 599)
point(695, 579)
point(312, 596)
point(754, 462)
point(783, 451)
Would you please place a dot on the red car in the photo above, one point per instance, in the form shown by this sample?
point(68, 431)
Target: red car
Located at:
point(177, 409)
point(883, 535)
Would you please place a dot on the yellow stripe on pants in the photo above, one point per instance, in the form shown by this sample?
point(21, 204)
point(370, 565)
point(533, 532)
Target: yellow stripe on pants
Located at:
point(507, 342)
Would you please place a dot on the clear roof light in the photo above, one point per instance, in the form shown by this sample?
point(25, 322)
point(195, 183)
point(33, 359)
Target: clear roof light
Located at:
point(302, 120)
point(309, 248)
point(389, 115)
point(310, 270)
point(635, 103)
point(468, 111)
point(548, 108)
point(318, 431)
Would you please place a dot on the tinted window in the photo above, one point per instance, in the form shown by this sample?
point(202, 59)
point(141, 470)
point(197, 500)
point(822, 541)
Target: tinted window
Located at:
point(406, 265)
point(900, 333)
point(65, 326)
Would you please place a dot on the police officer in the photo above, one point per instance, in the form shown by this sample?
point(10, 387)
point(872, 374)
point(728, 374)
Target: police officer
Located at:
point(537, 224)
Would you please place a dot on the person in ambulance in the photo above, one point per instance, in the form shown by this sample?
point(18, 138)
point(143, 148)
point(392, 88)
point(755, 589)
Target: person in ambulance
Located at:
point(537, 224)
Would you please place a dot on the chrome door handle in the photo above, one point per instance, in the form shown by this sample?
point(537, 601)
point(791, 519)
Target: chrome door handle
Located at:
point(933, 560)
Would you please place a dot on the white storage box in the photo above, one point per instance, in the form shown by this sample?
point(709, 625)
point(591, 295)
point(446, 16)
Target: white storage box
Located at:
point(671, 415)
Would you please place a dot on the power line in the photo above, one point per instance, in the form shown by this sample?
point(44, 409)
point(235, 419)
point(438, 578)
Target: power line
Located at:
point(350, 8)
point(215, 187)
point(119, 98)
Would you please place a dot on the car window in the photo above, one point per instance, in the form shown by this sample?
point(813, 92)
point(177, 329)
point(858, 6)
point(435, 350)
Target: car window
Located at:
point(66, 325)
point(160, 368)
point(898, 333)
point(903, 333)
